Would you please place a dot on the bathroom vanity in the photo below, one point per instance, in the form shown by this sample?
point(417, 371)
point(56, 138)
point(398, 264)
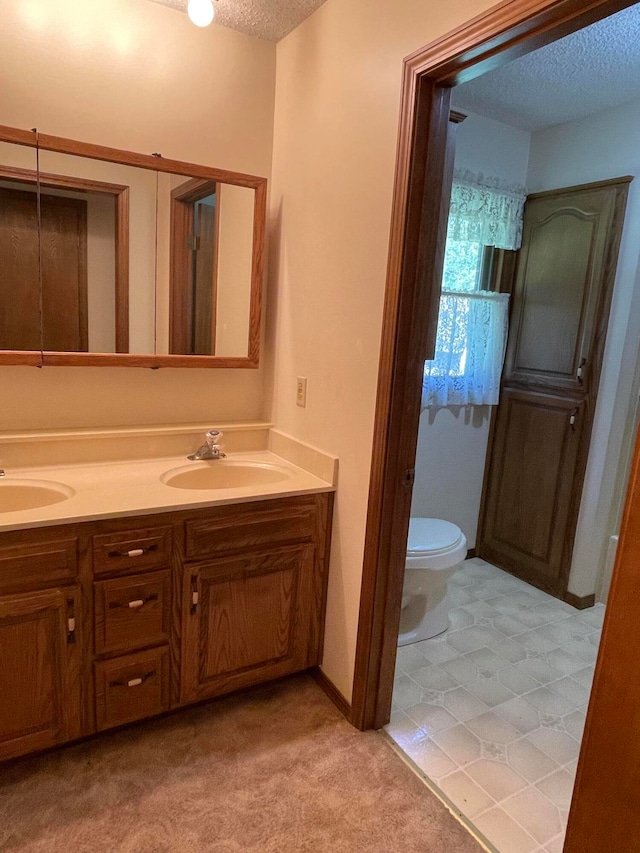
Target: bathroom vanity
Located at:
point(107, 621)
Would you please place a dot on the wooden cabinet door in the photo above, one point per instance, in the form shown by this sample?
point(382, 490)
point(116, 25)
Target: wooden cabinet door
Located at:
point(40, 698)
point(246, 619)
point(533, 466)
point(540, 437)
point(43, 285)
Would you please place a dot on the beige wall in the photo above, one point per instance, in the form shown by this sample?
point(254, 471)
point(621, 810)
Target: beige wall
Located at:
point(134, 75)
point(336, 122)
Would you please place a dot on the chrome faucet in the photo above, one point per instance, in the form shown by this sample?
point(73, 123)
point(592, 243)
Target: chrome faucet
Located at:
point(210, 450)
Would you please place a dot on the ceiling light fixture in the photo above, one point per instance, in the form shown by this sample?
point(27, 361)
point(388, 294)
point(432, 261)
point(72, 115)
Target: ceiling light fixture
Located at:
point(200, 12)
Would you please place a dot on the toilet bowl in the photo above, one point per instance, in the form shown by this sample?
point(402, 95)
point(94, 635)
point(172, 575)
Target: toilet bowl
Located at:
point(435, 549)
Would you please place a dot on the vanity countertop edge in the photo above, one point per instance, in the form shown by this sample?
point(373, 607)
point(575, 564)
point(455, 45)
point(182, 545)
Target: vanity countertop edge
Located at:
point(120, 488)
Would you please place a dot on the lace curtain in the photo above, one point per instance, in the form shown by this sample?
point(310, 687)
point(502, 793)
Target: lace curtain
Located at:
point(470, 348)
point(473, 324)
point(486, 211)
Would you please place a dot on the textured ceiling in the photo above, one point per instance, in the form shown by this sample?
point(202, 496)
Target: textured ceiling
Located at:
point(589, 71)
point(264, 19)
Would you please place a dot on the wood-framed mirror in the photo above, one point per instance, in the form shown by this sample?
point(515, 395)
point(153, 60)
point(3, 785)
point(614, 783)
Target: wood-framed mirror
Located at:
point(113, 258)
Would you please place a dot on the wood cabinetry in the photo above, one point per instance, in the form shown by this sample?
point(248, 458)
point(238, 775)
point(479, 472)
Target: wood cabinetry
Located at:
point(39, 670)
point(104, 623)
point(539, 441)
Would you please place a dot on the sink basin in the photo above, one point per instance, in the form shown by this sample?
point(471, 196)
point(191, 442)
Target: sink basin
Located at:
point(16, 494)
point(223, 474)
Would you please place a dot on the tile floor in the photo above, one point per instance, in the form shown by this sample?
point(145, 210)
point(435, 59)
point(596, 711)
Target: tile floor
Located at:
point(493, 710)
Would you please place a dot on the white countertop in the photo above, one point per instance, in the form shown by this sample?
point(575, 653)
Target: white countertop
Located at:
point(117, 489)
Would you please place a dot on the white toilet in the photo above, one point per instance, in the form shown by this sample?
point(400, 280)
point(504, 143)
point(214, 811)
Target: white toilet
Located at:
point(435, 549)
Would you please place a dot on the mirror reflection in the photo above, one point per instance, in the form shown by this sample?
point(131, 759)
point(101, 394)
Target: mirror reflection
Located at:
point(19, 253)
point(104, 282)
point(205, 240)
point(120, 259)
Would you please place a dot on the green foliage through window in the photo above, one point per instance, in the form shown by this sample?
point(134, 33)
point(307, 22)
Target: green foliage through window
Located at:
point(462, 264)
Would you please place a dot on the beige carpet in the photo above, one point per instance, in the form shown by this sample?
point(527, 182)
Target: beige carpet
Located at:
point(277, 770)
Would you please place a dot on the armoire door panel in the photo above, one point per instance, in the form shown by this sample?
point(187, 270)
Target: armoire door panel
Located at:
point(539, 442)
point(565, 247)
point(528, 502)
point(555, 312)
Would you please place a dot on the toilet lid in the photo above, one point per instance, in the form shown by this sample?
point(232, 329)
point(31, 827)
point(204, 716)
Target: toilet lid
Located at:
point(432, 534)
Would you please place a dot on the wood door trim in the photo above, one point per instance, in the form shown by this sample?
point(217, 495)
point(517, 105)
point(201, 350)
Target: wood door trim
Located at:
point(491, 39)
point(121, 248)
point(181, 259)
point(602, 816)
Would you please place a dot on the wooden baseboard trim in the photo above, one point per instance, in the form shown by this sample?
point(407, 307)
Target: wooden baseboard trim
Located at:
point(471, 553)
point(331, 690)
point(580, 602)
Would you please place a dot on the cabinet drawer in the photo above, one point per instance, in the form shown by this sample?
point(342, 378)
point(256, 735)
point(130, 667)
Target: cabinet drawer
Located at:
point(37, 565)
point(132, 612)
point(236, 529)
point(132, 550)
point(132, 687)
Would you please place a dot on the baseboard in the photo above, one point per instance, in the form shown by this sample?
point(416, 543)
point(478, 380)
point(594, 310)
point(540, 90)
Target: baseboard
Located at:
point(580, 602)
point(471, 553)
point(332, 691)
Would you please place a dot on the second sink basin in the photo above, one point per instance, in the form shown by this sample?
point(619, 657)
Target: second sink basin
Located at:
point(224, 474)
point(18, 494)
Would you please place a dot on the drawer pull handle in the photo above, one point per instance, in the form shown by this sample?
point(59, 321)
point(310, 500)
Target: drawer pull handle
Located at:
point(195, 596)
point(135, 604)
point(71, 621)
point(134, 552)
point(133, 682)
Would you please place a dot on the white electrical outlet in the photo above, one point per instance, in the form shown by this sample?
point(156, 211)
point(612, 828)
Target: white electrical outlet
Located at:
point(301, 391)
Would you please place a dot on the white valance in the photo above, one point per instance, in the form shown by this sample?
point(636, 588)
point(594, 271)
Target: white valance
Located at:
point(470, 349)
point(486, 211)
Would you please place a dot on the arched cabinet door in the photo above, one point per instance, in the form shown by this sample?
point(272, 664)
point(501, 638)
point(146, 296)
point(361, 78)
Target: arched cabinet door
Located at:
point(541, 429)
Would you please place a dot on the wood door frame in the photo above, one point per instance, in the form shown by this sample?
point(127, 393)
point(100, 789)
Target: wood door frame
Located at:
point(120, 193)
point(181, 258)
point(504, 32)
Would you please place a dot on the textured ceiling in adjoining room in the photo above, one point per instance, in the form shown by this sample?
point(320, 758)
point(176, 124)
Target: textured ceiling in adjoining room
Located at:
point(264, 19)
point(584, 73)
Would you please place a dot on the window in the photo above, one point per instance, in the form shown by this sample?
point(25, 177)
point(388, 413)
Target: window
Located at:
point(472, 332)
point(472, 322)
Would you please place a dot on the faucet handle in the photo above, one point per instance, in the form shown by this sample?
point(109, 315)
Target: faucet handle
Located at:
point(213, 437)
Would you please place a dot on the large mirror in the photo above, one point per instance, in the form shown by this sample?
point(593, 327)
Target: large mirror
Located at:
point(134, 259)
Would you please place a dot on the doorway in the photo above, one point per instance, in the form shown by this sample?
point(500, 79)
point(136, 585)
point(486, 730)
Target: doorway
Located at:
point(415, 266)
